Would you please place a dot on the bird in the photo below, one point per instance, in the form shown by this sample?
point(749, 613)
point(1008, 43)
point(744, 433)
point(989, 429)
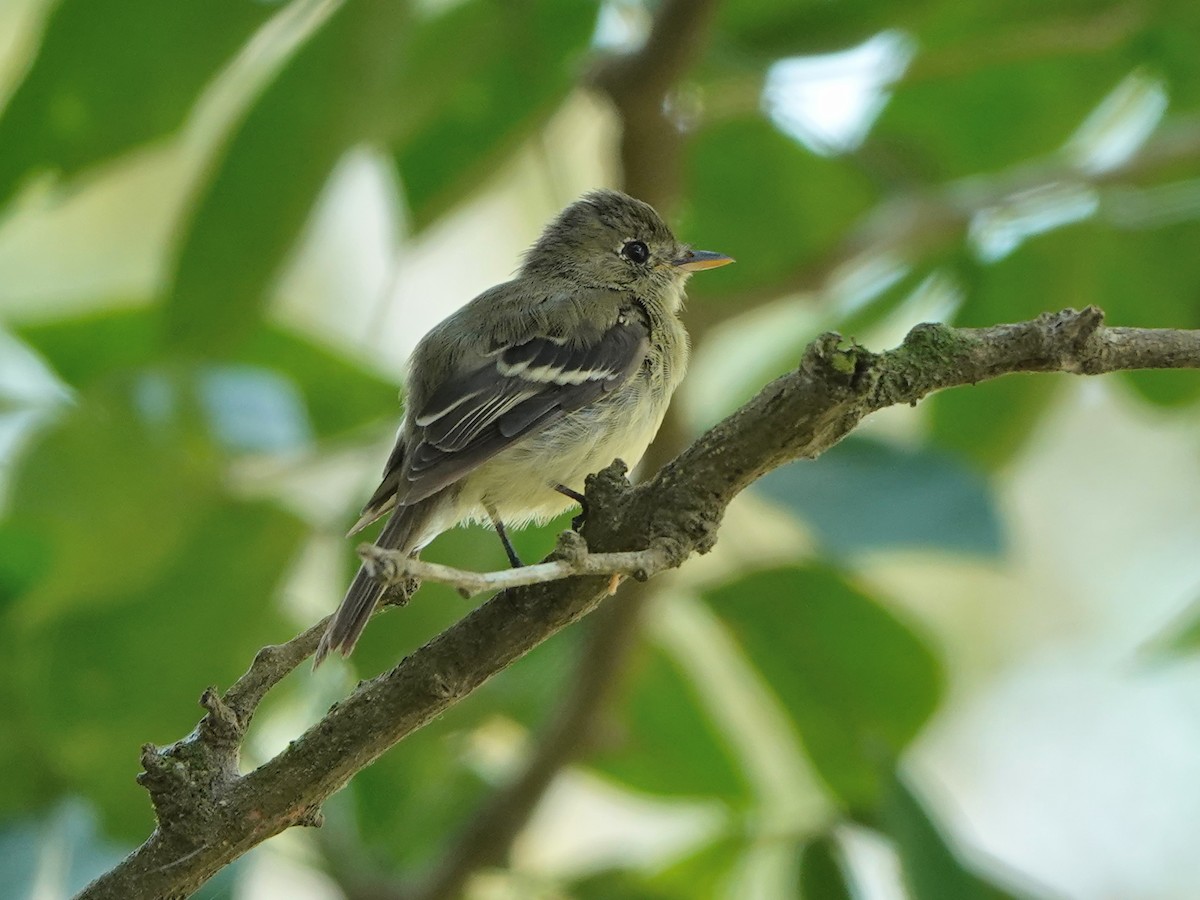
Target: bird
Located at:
point(533, 385)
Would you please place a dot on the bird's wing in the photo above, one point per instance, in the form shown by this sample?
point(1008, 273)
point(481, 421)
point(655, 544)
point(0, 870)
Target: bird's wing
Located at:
point(521, 389)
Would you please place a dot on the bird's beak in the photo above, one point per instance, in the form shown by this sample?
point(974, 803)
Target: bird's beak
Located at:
point(695, 260)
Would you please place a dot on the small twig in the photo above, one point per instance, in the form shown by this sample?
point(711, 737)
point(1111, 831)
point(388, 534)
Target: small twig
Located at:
point(489, 832)
point(392, 567)
point(208, 816)
point(271, 665)
point(639, 85)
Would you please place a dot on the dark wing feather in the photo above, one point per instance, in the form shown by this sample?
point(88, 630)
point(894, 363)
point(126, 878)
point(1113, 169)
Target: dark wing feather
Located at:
point(521, 390)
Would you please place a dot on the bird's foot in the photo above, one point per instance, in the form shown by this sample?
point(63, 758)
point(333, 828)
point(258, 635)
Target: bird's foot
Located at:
point(577, 522)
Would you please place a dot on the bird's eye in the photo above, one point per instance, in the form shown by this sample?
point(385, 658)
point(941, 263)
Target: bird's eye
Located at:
point(636, 251)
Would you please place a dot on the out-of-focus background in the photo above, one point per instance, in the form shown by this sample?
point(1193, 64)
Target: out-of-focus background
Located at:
point(956, 657)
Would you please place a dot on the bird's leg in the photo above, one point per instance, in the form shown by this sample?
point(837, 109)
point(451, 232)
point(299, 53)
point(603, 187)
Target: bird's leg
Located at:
point(577, 522)
point(513, 559)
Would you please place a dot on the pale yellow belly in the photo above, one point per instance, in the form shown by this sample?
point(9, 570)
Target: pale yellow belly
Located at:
point(519, 481)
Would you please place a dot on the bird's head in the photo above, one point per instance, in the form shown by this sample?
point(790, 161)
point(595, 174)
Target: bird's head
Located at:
point(608, 239)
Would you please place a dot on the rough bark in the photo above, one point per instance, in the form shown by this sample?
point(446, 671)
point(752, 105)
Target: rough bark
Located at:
point(208, 814)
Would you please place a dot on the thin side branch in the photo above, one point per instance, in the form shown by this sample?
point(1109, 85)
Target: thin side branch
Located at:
point(208, 815)
point(639, 84)
point(271, 665)
point(393, 567)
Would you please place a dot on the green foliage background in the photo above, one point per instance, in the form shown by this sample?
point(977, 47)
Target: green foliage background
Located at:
point(144, 554)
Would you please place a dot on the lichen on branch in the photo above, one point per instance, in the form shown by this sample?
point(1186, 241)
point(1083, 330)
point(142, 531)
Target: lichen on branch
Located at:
point(208, 815)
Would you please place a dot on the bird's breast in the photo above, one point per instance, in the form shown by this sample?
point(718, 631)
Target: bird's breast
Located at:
point(518, 482)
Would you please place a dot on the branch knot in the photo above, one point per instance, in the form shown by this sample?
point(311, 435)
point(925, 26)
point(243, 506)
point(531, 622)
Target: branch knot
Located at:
point(1070, 332)
point(208, 814)
point(221, 728)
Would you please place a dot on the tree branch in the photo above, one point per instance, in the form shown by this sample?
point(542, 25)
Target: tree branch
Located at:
point(489, 831)
point(640, 84)
point(208, 815)
point(570, 557)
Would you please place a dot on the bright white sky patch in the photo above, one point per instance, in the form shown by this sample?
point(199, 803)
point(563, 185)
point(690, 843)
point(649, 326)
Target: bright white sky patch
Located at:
point(998, 230)
point(1107, 139)
point(854, 286)
point(829, 102)
point(1120, 125)
point(621, 26)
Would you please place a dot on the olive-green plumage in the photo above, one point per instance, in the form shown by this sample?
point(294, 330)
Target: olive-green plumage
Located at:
point(536, 383)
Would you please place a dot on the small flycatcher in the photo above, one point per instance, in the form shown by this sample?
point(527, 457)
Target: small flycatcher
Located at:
point(538, 382)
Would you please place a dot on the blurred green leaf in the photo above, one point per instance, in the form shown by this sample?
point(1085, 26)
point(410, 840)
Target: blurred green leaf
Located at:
point(622, 884)
point(866, 495)
point(989, 422)
point(1049, 271)
point(59, 853)
point(1007, 106)
point(67, 834)
point(125, 538)
point(932, 869)
point(821, 874)
point(374, 73)
point(337, 91)
point(787, 27)
point(1187, 640)
point(1165, 387)
point(435, 607)
point(702, 874)
point(410, 801)
point(1164, 42)
point(1150, 278)
point(1180, 639)
point(98, 682)
point(339, 394)
point(669, 744)
point(1090, 32)
point(118, 478)
point(85, 348)
point(112, 74)
point(856, 681)
point(24, 558)
point(774, 215)
point(513, 65)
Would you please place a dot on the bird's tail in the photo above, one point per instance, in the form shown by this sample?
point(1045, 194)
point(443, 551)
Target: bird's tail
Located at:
point(402, 532)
